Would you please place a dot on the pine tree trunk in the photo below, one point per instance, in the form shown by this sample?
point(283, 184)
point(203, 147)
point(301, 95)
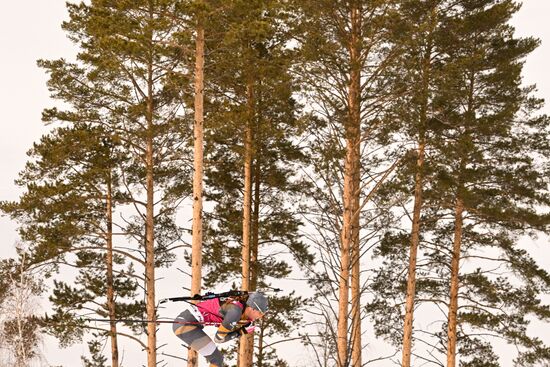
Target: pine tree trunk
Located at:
point(110, 282)
point(344, 284)
point(356, 298)
point(415, 239)
point(352, 196)
point(254, 243)
point(245, 343)
point(453, 296)
point(418, 191)
point(150, 259)
point(457, 243)
point(417, 209)
point(149, 222)
point(196, 249)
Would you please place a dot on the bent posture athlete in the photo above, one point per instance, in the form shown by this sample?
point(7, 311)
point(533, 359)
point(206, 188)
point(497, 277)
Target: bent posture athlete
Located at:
point(233, 317)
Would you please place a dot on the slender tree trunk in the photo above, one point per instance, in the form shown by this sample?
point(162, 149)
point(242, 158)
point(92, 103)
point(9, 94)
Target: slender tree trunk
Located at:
point(453, 297)
point(343, 298)
point(255, 225)
point(350, 231)
point(149, 220)
point(415, 239)
point(150, 261)
point(356, 298)
point(245, 344)
point(248, 340)
point(356, 347)
point(110, 282)
point(255, 242)
point(196, 252)
point(452, 319)
point(417, 210)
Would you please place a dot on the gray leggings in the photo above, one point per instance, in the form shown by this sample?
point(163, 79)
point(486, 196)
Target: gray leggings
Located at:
point(196, 338)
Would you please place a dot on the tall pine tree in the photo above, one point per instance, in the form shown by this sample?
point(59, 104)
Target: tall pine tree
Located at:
point(251, 158)
point(487, 188)
point(72, 187)
point(346, 54)
point(492, 180)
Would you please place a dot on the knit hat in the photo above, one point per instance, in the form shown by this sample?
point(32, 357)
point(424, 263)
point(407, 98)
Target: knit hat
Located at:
point(258, 301)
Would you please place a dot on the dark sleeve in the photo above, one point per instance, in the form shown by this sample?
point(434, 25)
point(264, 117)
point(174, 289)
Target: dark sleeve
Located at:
point(229, 328)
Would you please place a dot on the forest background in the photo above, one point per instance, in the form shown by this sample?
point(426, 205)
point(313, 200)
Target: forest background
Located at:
point(25, 95)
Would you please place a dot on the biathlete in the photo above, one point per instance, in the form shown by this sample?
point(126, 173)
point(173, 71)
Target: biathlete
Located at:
point(234, 318)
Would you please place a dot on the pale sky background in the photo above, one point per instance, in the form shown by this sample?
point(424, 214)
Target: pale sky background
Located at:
point(30, 30)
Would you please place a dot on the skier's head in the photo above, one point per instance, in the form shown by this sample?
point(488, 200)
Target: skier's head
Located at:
point(258, 301)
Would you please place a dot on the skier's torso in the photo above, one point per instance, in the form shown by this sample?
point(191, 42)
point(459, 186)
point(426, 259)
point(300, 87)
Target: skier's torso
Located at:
point(228, 314)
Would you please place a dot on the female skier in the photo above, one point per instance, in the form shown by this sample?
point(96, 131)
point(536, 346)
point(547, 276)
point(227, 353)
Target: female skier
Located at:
point(233, 316)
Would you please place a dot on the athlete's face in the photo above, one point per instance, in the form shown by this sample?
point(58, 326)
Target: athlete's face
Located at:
point(254, 314)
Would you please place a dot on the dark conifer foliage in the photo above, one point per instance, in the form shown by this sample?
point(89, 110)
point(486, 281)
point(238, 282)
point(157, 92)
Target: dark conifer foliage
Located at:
point(490, 167)
point(346, 71)
point(413, 119)
point(98, 359)
point(385, 150)
point(123, 92)
point(488, 190)
point(62, 217)
point(248, 82)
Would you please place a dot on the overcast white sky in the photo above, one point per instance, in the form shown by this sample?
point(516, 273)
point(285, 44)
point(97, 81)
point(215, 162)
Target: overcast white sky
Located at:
point(30, 30)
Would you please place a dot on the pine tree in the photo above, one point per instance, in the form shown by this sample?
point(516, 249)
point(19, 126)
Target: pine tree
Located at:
point(425, 22)
point(250, 153)
point(414, 113)
point(345, 55)
point(198, 154)
point(128, 81)
point(491, 177)
point(486, 190)
point(129, 62)
point(66, 216)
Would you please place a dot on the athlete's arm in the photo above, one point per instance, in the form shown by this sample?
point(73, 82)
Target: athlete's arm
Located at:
point(229, 330)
